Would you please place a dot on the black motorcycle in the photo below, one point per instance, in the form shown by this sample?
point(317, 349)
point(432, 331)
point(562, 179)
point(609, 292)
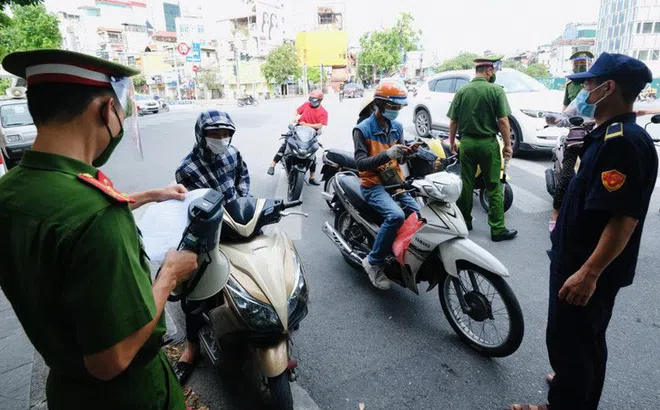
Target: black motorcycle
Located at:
point(335, 161)
point(301, 146)
point(249, 100)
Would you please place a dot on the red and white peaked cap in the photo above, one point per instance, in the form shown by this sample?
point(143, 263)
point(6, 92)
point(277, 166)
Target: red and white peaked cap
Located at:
point(61, 66)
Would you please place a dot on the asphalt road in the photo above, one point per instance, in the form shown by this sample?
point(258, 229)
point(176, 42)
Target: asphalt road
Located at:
point(395, 350)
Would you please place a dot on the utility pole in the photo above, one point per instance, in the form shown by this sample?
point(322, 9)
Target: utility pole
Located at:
point(357, 68)
point(321, 76)
point(238, 75)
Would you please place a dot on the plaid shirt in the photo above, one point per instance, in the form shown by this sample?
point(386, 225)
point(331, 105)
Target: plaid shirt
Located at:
point(227, 173)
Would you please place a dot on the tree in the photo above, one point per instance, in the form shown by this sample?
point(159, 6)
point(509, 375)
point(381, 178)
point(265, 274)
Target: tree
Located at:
point(209, 78)
point(538, 70)
point(516, 65)
point(30, 28)
point(281, 63)
point(314, 75)
point(463, 61)
point(139, 81)
point(4, 19)
point(383, 51)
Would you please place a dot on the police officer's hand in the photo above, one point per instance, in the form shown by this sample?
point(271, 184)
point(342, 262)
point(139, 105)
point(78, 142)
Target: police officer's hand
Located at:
point(171, 192)
point(507, 152)
point(578, 288)
point(396, 151)
point(179, 264)
point(454, 148)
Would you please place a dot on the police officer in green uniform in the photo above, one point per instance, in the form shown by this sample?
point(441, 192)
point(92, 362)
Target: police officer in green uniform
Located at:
point(73, 265)
point(581, 63)
point(478, 112)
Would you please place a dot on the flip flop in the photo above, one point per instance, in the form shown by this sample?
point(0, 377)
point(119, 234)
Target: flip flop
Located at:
point(529, 407)
point(551, 225)
point(549, 377)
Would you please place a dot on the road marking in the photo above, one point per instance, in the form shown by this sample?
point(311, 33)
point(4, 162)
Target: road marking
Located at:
point(529, 166)
point(292, 224)
point(529, 203)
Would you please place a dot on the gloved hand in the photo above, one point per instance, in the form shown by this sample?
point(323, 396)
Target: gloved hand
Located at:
point(396, 151)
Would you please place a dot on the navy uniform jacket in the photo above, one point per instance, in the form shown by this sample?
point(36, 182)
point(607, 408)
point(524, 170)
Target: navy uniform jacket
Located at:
point(616, 177)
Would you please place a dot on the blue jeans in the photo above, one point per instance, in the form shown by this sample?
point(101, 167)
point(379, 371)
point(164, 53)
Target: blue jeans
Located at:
point(381, 201)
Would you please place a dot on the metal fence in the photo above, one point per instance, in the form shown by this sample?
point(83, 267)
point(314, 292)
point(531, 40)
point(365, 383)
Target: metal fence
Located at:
point(559, 83)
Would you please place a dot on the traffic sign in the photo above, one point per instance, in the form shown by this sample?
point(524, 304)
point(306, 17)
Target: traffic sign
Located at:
point(196, 55)
point(183, 48)
point(195, 68)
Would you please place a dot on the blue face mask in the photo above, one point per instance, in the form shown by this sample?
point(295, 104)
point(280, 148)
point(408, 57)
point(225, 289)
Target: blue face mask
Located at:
point(390, 114)
point(582, 105)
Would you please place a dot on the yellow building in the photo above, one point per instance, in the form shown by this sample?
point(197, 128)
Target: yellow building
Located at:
point(322, 47)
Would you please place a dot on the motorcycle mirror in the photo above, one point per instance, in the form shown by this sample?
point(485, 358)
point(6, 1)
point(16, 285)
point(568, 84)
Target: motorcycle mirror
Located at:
point(576, 121)
point(292, 126)
point(656, 119)
point(319, 132)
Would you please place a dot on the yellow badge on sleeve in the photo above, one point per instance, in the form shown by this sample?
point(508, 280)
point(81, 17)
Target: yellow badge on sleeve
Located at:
point(612, 179)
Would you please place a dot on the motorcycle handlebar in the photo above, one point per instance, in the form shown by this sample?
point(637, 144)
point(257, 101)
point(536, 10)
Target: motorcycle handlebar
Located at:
point(292, 204)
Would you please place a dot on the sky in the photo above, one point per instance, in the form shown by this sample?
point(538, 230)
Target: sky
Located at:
point(452, 26)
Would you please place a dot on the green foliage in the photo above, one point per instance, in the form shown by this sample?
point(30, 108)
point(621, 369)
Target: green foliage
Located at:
point(139, 81)
point(209, 78)
point(4, 19)
point(4, 84)
point(516, 65)
point(383, 50)
point(538, 70)
point(463, 61)
point(281, 64)
point(314, 74)
point(32, 27)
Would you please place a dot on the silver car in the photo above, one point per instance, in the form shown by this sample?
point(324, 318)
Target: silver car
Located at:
point(17, 130)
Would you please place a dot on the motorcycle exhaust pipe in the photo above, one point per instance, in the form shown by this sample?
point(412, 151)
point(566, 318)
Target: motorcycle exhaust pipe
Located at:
point(341, 243)
point(327, 196)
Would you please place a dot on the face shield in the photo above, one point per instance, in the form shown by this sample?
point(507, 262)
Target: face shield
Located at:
point(125, 92)
point(497, 65)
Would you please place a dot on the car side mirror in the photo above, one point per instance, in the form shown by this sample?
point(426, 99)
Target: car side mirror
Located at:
point(576, 121)
point(656, 119)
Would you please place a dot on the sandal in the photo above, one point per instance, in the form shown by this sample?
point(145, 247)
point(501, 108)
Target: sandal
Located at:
point(183, 371)
point(550, 377)
point(529, 407)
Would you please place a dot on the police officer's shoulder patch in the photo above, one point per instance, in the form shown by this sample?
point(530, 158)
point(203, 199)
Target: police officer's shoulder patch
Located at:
point(106, 187)
point(614, 130)
point(612, 180)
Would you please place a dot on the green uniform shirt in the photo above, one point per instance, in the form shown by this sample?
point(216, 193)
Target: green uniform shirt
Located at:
point(75, 273)
point(572, 90)
point(477, 107)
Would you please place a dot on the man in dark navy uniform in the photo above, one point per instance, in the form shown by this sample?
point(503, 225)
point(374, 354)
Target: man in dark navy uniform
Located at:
point(596, 240)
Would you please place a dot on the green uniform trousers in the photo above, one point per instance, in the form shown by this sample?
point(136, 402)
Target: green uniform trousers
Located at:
point(484, 152)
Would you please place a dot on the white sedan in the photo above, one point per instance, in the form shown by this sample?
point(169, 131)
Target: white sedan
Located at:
point(529, 100)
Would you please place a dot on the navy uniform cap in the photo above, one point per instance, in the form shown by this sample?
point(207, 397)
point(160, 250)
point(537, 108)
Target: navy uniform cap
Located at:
point(62, 66)
point(618, 67)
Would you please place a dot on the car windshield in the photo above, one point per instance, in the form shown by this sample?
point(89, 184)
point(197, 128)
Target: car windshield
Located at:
point(517, 82)
point(141, 97)
point(15, 115)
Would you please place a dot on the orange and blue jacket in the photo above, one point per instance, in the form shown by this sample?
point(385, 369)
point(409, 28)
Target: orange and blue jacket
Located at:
point(370, 143)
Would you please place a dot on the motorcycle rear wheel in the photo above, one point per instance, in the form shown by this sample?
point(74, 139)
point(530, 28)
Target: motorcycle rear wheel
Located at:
point(508, 197)
point(329, 188)
point(473, 327)
point(343, 221)
point(280, 392)
point(255, 102)
point(241, 103)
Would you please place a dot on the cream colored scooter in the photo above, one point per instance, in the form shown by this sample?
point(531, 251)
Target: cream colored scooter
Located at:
point(252, 288)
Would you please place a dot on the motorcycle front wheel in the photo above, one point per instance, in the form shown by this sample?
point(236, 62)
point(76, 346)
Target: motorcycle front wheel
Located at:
point(508, 197)
point(280, 392)
point(255, 102)
point(241, 103)
point(296, 179)
point(490, 321)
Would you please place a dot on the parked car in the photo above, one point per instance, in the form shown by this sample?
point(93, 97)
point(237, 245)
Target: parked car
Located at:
point(353, 90)
point(529, 99)
point(146, 104)
point(17, 130)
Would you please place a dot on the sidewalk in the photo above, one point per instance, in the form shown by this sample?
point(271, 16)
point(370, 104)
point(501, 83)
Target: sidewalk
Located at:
point(17, 360)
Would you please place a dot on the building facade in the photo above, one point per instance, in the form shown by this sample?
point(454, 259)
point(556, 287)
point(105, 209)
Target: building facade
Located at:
point(576, 37)
point(630, 27)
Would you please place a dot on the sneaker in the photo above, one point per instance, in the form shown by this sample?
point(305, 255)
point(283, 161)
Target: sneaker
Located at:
point(271, 171)
point(313, 181)
point(376, 275)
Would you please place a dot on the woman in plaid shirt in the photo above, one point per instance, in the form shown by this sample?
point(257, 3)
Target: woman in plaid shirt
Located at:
point(212, 163)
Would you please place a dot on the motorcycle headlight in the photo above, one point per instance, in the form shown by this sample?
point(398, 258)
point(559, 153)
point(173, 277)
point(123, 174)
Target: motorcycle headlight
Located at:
point(257, 315)
point(432, 192)
point(535, 113)
point(297, 305)
point(13, 138)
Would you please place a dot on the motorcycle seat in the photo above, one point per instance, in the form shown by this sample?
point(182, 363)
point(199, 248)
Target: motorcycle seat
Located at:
point(351, 185)
point(344, 159)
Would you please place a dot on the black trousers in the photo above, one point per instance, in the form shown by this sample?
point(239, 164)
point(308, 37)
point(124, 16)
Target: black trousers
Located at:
point(194, 320)
point(280, 154)
point(577, 347)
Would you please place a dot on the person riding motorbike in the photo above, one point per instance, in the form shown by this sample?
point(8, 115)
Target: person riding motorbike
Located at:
point(379, 149)
point(310, 114)
point(581, 62)
point(212, 163)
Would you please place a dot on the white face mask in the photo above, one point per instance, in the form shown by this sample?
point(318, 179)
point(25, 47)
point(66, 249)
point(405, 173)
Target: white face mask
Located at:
point(217, 146)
